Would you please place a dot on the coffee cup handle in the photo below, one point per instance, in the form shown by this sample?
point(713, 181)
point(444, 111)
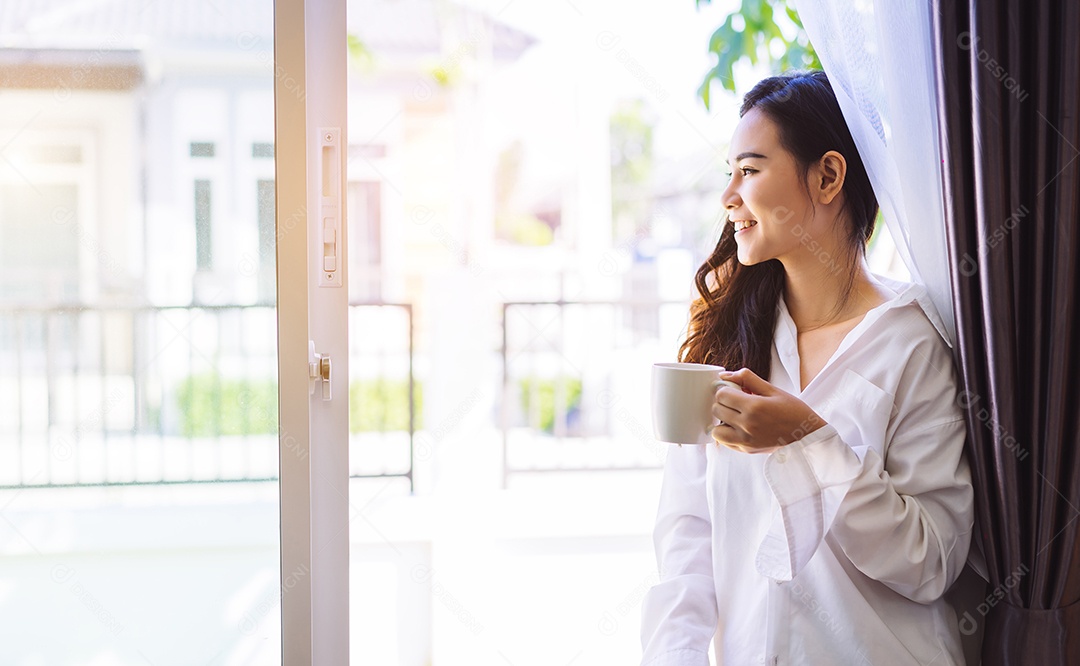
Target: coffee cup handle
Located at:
point(723, 382)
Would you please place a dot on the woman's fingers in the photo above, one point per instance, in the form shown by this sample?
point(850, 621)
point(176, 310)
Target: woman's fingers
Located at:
point(729, 397)
point(748, 381)
point(727, 435)
point(724, 412)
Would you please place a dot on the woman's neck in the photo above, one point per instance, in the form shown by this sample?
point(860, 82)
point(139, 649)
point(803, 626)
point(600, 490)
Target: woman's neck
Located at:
point(815, 294)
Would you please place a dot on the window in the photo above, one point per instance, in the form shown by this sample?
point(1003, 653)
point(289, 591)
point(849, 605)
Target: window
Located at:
point(262, 150)
point(202, 149)
point(267, 249)
point(204, 255)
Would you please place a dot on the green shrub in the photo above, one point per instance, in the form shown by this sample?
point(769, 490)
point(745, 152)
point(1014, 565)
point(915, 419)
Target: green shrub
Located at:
point(377, 405)
point(543, 390)
point(209, 405)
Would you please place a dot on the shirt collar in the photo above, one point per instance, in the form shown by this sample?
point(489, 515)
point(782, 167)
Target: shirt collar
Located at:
point(913, 291)
point(786, 335)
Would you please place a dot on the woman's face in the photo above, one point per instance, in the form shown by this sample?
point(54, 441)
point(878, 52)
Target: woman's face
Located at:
point(766, 200)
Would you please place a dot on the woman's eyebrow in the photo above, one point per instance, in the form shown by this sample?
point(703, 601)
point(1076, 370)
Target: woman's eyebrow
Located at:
point(742, 156)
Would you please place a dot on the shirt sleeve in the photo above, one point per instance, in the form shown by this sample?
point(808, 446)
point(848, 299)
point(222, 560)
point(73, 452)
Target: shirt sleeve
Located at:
point(679, 613)
point(904, 520)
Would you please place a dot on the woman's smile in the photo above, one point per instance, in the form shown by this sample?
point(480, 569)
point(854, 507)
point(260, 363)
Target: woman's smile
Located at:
point(741, 225)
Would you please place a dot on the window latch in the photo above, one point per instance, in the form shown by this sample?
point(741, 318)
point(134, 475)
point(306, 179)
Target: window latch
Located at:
point(318, 371)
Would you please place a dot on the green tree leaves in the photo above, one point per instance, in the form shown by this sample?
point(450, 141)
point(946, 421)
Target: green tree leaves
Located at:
point(753, 33)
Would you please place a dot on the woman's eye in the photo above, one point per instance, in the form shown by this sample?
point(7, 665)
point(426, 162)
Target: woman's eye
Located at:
point(745, 171)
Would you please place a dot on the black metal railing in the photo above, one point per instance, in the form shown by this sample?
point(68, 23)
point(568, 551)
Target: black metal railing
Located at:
point(575, 383)
point(97, 396)
point(93, 396)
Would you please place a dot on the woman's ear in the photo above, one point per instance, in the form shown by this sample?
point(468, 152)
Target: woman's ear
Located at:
point(829, 180)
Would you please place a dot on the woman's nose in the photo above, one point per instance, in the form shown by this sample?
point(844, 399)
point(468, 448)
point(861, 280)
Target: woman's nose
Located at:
point(730, 196)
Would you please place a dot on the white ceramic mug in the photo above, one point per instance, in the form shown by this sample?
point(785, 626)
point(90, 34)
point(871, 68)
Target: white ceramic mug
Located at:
point(682, 399)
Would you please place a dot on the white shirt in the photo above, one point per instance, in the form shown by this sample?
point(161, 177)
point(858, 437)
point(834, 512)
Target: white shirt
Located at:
point(837, 548)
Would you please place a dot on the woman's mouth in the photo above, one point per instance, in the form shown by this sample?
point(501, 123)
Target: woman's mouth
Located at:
point(743, 224)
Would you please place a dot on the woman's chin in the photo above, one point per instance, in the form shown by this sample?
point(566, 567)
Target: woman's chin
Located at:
point(746, 258)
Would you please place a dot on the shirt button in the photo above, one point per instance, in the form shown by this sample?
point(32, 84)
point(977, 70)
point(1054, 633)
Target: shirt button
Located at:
point(781, 456)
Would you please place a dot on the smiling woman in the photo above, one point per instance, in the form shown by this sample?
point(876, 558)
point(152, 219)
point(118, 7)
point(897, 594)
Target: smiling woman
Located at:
point(777, 156)
point(834, 508)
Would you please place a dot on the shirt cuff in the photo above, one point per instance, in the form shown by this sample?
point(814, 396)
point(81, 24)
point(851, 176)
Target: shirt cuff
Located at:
point(809, 478)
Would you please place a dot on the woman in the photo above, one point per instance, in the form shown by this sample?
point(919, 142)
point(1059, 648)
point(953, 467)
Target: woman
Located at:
point(835, 508)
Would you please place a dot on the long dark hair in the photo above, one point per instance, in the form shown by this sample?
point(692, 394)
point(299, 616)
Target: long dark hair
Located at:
point(732, 322)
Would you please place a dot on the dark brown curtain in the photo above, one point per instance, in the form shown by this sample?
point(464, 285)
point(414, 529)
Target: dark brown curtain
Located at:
point(1009, 82)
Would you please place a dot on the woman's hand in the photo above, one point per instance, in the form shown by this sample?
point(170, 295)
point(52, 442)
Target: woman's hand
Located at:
point(762, 420)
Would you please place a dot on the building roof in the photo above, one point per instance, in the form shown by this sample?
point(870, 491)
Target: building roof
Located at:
point(403, 27)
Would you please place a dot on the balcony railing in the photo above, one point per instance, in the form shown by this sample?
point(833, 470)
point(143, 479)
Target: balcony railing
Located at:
point(576, 382)
point(157, 395)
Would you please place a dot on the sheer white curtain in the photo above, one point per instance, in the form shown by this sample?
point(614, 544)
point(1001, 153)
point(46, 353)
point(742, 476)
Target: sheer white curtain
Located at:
point(879, 58)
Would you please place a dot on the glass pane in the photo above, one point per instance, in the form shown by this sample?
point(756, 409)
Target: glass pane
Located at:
point(267, 240)
point(202, 149)
point(138, 388)
point(531, 187)
point(204, 253)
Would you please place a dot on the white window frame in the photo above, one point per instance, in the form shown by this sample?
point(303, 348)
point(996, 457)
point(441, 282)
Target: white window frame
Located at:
point(310, 56)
